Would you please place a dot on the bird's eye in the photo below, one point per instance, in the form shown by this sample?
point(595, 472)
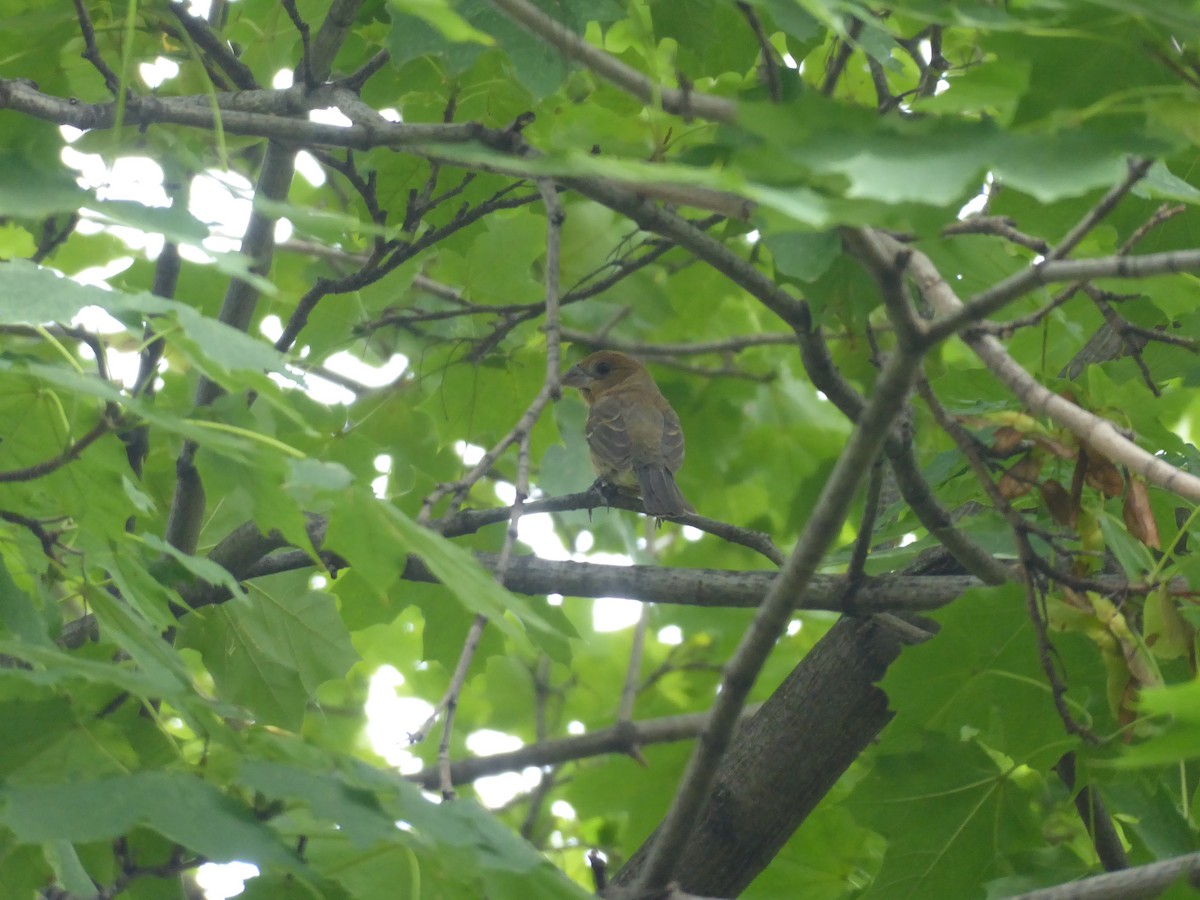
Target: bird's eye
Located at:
point(603, 368)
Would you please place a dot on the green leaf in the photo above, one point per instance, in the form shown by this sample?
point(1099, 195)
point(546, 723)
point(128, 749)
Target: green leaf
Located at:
point(270, 653)
point(18, 613)
point(444, 18)
point(951, 817)
point(803, 255)
point(202, 567)
point(458, 570)
point(68, 870)
point(357, 812)
point(980, 674)
point(102, 809)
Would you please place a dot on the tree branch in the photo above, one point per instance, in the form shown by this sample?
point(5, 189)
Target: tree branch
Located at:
point(1087, 427)
point(623, 737)
point(569, 44)
point(1138, 883)
point(740, 673)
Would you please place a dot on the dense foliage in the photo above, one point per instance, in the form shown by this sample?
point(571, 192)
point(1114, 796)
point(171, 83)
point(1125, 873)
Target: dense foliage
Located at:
point(918, 281)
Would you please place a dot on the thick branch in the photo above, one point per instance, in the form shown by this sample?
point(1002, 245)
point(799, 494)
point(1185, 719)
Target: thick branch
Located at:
point(785, 759)
point(666, 850)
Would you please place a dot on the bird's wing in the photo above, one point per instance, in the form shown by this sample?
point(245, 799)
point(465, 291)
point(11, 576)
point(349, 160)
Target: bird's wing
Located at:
point(607, 435)
point(672, 440)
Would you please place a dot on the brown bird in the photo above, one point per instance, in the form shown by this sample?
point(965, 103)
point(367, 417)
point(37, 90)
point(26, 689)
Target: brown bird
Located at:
point(634, 436)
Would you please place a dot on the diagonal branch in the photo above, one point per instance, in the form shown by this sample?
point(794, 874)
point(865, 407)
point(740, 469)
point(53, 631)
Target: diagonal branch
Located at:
point(740, 673)
point(569, 44)
point(1089, 428)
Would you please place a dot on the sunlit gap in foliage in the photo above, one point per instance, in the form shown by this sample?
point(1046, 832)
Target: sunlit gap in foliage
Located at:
point(342, 364)
point(383, 465)
point(123, 366)
point(977, 204)
point(159, 71)
point(392, 717)
point(670, 635)
point(136, 178)
point(308, 167)
point(499, 790)
point(562, 809)
point(220, 881)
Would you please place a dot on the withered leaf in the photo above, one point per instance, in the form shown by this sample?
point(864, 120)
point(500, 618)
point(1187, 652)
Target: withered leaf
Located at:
point(1021, 477)
point(1103, 475)
point(1007, 439)
point(1058, 502)
point(1139, 518)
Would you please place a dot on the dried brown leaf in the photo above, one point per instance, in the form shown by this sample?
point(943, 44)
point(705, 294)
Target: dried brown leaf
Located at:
point(1058, 502)
point(1007, 439)
point(1021, 477)
point(1139, 518)
point(1102, 475)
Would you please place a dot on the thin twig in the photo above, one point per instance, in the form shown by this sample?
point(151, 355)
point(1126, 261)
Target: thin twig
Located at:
point(289, 7)
point(673, 100)
point(1137, 883)
point(1137, 171)
point(1000, 226)
point(204, 37)
point(619, 738)
point(551, 390)
point(632, 672)
point(770, 66)
point(1034, 592)
point(68, 455)
point(91, 52)
point(841, 56)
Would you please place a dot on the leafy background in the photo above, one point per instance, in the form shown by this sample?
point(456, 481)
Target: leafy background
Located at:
point(275, 530)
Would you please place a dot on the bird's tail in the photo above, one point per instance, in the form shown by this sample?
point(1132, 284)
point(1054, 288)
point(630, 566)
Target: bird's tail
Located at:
point(660, 494)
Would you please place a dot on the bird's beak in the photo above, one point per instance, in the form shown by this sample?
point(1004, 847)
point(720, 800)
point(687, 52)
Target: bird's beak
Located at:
point(575, 377)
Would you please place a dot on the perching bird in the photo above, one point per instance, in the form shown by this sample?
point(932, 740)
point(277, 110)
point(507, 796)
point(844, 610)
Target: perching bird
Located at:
point(633, 434)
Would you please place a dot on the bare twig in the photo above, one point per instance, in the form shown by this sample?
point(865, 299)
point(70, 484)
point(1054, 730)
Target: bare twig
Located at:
point(984, 304)
point(770, 65)
point(569, 44)
point(91, 52)
point(841, 56)
point(637, 651)
point(106, 424)
point(619, 738)
point(1137, 171)
point(1000, 226)
point(551, 390)
point(217, 49)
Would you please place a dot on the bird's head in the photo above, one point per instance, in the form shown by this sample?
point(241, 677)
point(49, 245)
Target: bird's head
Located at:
point(600, 372)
